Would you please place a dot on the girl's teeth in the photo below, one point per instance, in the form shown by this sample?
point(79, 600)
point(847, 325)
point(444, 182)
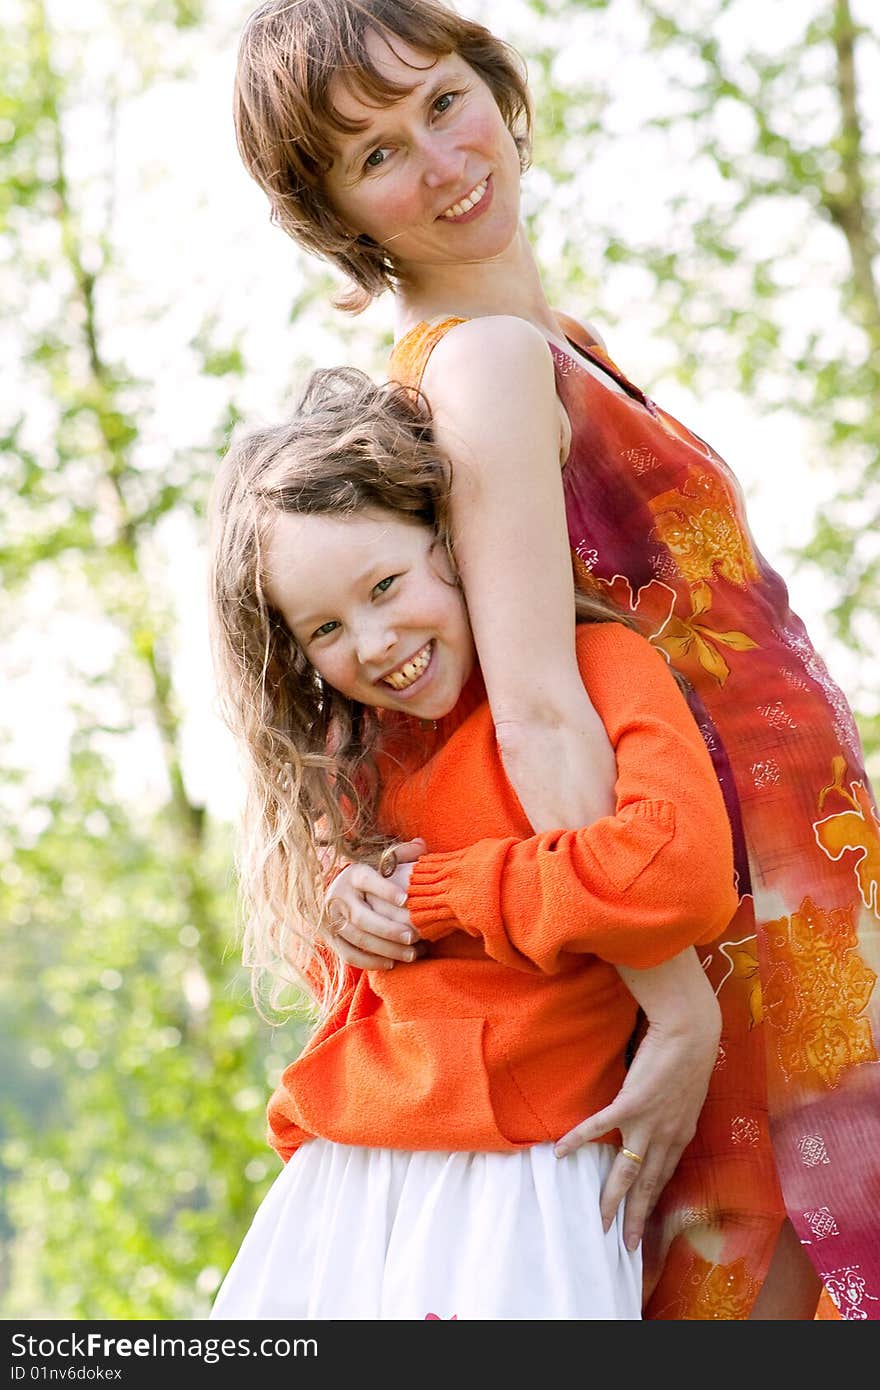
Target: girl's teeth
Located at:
point(399, 680)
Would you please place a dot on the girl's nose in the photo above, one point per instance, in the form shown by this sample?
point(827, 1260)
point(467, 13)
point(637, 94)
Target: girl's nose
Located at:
point(375, 640)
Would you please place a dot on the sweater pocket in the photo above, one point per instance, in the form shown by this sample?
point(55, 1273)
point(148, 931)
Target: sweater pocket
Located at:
point(398, 1084)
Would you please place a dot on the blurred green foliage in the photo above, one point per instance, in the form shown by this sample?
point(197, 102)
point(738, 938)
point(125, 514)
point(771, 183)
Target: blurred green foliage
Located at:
point(136, 1071)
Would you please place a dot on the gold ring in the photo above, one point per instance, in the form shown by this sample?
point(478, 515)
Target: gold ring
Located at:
point(634, 1158)
point(387, 862)
point(337, 917)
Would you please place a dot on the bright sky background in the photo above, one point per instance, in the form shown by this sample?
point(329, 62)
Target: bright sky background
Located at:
point(197, 243)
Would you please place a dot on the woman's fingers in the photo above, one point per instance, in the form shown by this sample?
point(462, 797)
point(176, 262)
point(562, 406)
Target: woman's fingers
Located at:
point(391, 904)
point(642, 1166)
point(409, 850)
point(370, 902)
point(656, 1111)
point(362, 960)
point(369, 924)
point(371, 931)
point(641, 1198)
point(574, 1139)
point(403, 852)
point(632, 1183)
point(364, 881)
point(633, 1176)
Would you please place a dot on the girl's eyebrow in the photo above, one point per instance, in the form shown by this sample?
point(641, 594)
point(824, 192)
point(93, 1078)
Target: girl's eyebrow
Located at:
point(377, 566)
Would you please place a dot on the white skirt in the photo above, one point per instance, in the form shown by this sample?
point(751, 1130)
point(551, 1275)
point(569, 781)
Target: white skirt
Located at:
point(357, 1233)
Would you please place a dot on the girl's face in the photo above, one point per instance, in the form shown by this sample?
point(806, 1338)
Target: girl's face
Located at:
point(435, 176)
point(371, 600)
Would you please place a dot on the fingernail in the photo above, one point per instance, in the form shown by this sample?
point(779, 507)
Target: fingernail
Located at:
point(560, 1151)
point(401, 900)
point(410, 955)
point(632, 1243)
point(406, 937)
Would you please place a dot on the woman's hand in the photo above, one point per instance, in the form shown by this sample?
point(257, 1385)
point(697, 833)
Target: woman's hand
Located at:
point(657, 1108)
point(370, 926)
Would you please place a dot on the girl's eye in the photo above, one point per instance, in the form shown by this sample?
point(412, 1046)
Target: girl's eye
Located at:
point(375, 159)
point(444, 102)
point(325, 629)
point(384, 584)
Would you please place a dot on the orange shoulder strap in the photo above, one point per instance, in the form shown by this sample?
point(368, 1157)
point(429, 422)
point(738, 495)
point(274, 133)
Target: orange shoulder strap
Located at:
point(582, 338)
point(410, 354)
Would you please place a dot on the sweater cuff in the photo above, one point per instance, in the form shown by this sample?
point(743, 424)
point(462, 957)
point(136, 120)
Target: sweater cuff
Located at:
point(428, 896)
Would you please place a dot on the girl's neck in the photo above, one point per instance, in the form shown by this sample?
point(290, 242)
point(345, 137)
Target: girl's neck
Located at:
point(410, 742)
point(509, 284)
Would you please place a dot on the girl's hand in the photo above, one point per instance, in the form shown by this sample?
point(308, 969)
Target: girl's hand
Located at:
point(370, 927)
point(657, 1108)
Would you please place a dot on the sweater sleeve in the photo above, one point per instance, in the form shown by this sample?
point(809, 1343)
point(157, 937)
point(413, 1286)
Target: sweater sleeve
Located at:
point(634, 888)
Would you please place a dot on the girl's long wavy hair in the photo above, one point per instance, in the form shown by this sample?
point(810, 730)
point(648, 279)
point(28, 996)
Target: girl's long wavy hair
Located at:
point(311, 785)
point(290, 54)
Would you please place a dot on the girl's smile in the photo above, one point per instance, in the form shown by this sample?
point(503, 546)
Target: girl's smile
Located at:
point(433, 176)
point(372, 601)
point(409, 672)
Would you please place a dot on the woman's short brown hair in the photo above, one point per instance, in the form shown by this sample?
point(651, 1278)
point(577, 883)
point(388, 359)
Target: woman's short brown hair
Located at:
point(289, 54)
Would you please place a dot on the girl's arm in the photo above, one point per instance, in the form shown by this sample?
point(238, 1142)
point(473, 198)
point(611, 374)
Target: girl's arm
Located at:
point(491, 388)
point(634, 888)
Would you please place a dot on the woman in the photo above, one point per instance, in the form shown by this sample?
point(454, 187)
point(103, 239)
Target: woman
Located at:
point(390, 138)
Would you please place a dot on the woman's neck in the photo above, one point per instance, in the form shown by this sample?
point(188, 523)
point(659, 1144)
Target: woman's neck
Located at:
point(509, 284)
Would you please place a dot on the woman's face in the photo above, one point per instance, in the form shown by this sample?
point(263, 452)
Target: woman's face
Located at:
point(372, 602)
point(434, 176)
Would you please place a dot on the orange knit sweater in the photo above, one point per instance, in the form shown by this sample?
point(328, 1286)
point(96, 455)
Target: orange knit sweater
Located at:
point(514, 1027)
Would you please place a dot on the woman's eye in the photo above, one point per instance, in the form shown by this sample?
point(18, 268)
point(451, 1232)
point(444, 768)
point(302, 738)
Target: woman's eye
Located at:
point(325, 629)
point(384, 584)
point(444, 102)
point(375, 159)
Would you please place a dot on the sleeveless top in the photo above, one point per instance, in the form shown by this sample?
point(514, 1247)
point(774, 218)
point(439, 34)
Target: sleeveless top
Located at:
point(656, 521)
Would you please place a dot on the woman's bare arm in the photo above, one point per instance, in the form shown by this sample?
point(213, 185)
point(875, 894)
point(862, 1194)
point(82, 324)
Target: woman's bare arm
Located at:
point(659, 1104)
point(491, 388)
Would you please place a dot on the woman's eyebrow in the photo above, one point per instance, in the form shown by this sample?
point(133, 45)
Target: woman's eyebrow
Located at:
point(372, 142)
point(376, 138)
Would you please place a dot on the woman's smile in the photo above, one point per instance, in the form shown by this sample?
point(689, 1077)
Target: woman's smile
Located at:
point(473, 204)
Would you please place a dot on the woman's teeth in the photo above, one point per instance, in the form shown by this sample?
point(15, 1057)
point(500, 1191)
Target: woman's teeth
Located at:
point(459, 209)
point(402, 679)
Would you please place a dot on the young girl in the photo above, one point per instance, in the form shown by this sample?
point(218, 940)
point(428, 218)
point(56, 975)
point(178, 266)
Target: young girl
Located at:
point(421, 1126)
point(389, 137)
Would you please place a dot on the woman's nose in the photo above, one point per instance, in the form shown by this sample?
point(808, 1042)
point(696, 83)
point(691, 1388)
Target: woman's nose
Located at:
point(443, 162)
